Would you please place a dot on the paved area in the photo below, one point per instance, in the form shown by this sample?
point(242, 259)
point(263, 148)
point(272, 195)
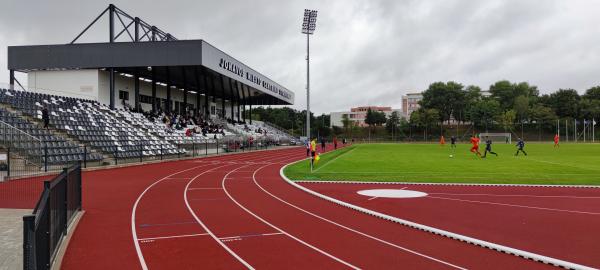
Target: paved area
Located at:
point(11, 238)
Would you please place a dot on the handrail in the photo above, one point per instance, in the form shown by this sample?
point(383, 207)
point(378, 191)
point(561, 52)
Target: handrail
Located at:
point(23, 132)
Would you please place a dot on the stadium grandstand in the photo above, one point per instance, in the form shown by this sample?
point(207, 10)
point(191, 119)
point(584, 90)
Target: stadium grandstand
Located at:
point(147, 97)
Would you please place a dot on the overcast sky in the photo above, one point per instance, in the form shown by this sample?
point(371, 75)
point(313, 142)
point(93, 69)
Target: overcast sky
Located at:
point(363, 52)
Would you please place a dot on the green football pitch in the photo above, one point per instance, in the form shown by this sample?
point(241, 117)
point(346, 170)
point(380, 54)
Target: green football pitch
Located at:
point(572, 164)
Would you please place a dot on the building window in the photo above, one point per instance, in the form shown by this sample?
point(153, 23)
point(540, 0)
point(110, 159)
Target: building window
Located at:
point(123, 95)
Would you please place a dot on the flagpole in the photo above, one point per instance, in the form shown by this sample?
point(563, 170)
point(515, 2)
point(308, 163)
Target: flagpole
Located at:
point(567, 129)
point(575, 130)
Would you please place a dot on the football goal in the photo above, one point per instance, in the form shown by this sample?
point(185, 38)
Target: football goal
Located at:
point(496, 137)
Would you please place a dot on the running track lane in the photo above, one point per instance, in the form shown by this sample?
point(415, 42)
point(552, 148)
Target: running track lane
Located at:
point(103, 238)
point(552, 221)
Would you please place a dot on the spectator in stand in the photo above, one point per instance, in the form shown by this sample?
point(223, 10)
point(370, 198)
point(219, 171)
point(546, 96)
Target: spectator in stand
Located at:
point(323, 144)
point(45, 117)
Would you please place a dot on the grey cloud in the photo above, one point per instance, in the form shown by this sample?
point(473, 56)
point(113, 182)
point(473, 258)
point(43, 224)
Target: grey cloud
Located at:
point(363, 52)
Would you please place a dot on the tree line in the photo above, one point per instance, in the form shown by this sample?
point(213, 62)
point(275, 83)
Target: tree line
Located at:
point(506, 106)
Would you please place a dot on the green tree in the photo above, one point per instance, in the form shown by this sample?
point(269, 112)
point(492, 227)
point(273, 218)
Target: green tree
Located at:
point(392, 123)
point(443, 97)
point(503, 92)
point(506, 93)
point(592, 93)
point(541, 113)
point(507, 119)
point(565, 103)
point(370, 118)
point(589, 109)
point(380, 118)
point(483, 113)
point(472, 95)
point(521, 107)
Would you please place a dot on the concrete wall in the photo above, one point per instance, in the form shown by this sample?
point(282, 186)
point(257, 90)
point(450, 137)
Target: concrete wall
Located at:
point(72, 83)
point(357, 117)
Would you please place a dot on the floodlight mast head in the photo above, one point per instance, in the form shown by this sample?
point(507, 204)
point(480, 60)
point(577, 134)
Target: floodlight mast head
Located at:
point(310, 22)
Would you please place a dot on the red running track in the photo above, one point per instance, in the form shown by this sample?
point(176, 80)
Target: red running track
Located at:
point(557, 222)
point(235, 212)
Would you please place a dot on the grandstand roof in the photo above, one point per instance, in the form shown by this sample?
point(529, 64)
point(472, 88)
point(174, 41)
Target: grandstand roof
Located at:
point(183, 63)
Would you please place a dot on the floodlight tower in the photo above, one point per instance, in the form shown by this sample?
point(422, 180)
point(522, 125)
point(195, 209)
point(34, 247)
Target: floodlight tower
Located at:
point(308, 27)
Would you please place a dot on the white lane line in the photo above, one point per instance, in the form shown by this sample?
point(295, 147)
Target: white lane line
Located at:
point(516, 205)
point(516, 195)
point(187, 204)
point(172, 236)
point(200, 188)
point(246, 236)
point(372, 198)
point(133, 213)
point(353, 230)
point(331, 161)
point(282, 231)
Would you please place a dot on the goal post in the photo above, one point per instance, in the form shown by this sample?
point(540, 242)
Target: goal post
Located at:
point(496, 137)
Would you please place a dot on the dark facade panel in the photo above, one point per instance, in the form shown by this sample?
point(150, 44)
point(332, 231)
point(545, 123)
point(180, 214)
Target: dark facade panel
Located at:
point(100, 55)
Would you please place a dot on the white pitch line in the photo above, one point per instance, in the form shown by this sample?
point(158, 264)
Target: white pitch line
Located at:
point(516, 195)
point(173, 236)
point(331, 161)
point(517, 205)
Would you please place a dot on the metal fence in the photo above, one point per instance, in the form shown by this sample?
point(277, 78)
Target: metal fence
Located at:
point(137, 151)
point(21, 154)
point(44, 230)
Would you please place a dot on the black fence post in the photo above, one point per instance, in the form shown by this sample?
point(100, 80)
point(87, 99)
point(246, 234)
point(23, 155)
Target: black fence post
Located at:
point(193, 149)
point(8, 162)
point(178, 151)
point(46, 158)
point(116, 156)
point(141, 152)
point(85, 156)
point(65, 202)
point(217, 146)
point(206, 148)
point(161, 151)
point(28, 238)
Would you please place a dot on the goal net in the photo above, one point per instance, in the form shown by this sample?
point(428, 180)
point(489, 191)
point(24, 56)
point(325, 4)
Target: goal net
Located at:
point(496, 137)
